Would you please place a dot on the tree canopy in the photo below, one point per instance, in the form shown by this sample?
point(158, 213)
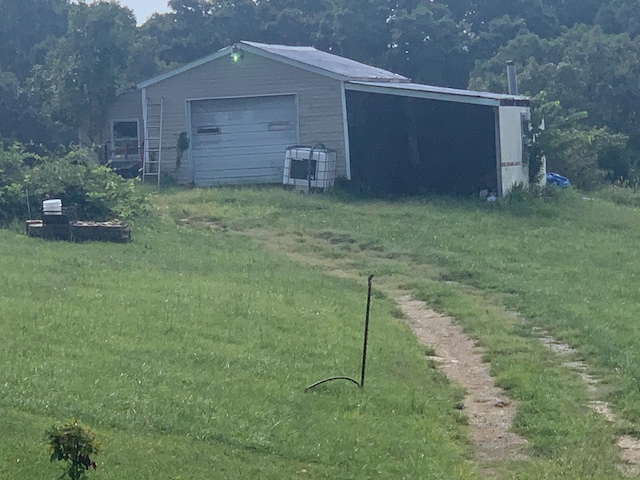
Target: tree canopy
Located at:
point(62, 63)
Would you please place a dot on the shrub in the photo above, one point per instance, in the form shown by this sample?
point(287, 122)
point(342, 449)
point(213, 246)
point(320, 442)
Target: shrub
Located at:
point(13, 200)
point(621, 194)
point(98, 193)
point(73, 443)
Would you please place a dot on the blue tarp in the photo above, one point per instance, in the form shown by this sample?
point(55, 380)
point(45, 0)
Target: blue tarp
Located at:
point(557, 179)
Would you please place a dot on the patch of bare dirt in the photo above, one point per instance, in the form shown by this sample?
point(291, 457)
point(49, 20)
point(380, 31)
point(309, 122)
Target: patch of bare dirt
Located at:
point(489, 410)
point(630, 455)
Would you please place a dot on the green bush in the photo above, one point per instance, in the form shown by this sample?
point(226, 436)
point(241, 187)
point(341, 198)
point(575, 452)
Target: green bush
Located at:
point(96, 191)
point(74, 444)
point(623, 194)
point(13, 199)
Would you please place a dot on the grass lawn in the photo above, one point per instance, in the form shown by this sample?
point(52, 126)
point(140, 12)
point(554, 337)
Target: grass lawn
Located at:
point(188, 350)
point(188, 353)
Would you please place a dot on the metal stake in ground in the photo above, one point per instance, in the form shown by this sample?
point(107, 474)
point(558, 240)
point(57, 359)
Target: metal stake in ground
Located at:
point(364, 348)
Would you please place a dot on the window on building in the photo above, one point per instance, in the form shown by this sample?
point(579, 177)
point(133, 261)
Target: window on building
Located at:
point(125, 141)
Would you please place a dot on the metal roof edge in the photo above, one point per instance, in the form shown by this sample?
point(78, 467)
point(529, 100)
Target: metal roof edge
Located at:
point(438, 93)
point(289, 61)
point(186, 67)
point(253, 47)
point(393, 81)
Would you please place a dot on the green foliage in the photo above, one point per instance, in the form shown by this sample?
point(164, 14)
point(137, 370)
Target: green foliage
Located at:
point(13, 199)
point(96, 191)
point(27, 32)
point(619, 17)
point(622, 194)
point(80, 77)
point(19, 120)
point(75, 444)
point(535, 201)
point(578, 153)
point(428, 45)
point(584, 86)
point(587, 155)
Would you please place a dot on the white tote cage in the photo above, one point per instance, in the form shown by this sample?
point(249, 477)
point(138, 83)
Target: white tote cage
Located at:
point(309, 167)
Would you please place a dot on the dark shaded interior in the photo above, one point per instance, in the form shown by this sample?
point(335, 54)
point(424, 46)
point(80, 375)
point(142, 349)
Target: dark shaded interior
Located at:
point(125, 129)
point(407, 146)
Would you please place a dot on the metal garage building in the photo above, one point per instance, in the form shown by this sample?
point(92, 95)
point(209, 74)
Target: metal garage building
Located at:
point(238, 110)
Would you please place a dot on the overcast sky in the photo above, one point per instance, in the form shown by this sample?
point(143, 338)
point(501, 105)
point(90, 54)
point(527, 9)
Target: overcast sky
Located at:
point(144, 8)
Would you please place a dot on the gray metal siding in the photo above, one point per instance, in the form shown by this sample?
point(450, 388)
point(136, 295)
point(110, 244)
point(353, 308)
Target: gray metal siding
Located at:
point(319, 102)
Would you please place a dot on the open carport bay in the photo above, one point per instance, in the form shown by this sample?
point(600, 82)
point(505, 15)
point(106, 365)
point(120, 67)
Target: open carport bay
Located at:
point(404, 145)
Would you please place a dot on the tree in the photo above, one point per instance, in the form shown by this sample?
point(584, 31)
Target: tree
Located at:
point(620, 17)
point(428, 45)
point(27, 31)
point(18, 121)
point(75, 444)
point(196, 28)
point(588, 73)
point(81, 76)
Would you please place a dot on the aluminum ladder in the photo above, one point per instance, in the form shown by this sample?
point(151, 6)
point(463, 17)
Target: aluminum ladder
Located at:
point(153, 139)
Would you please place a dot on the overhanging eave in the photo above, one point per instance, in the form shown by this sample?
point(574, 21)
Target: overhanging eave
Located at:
point(428, 92)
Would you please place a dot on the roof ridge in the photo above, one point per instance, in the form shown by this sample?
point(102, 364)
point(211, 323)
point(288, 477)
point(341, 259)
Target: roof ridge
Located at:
point(375, 72)
point(280, 45)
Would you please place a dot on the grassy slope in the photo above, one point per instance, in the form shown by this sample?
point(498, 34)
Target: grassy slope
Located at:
point(568, 265)
point(187, 351)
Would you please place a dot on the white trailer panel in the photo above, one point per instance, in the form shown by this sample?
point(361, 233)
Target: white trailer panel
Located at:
point(512, 127)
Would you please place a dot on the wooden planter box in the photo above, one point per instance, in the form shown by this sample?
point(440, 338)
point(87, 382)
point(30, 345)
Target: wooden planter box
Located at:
point(80, 231)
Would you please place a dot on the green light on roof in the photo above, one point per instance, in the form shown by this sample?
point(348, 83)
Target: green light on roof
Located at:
point(236, 54)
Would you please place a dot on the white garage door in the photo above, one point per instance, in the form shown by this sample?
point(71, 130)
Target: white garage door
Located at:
point(242, 140)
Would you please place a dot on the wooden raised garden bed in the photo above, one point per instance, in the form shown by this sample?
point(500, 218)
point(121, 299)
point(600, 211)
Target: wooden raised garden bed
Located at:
point(80, 231)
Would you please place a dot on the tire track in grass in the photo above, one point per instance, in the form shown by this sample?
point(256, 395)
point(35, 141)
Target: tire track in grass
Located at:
point(629, 445)
point(489, 410)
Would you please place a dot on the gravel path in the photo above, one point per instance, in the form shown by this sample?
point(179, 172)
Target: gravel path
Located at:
point(489, 410)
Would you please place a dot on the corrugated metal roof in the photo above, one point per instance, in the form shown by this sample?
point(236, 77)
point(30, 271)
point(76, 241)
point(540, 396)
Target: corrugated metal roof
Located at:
point(333, 64)
point(438, 93)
